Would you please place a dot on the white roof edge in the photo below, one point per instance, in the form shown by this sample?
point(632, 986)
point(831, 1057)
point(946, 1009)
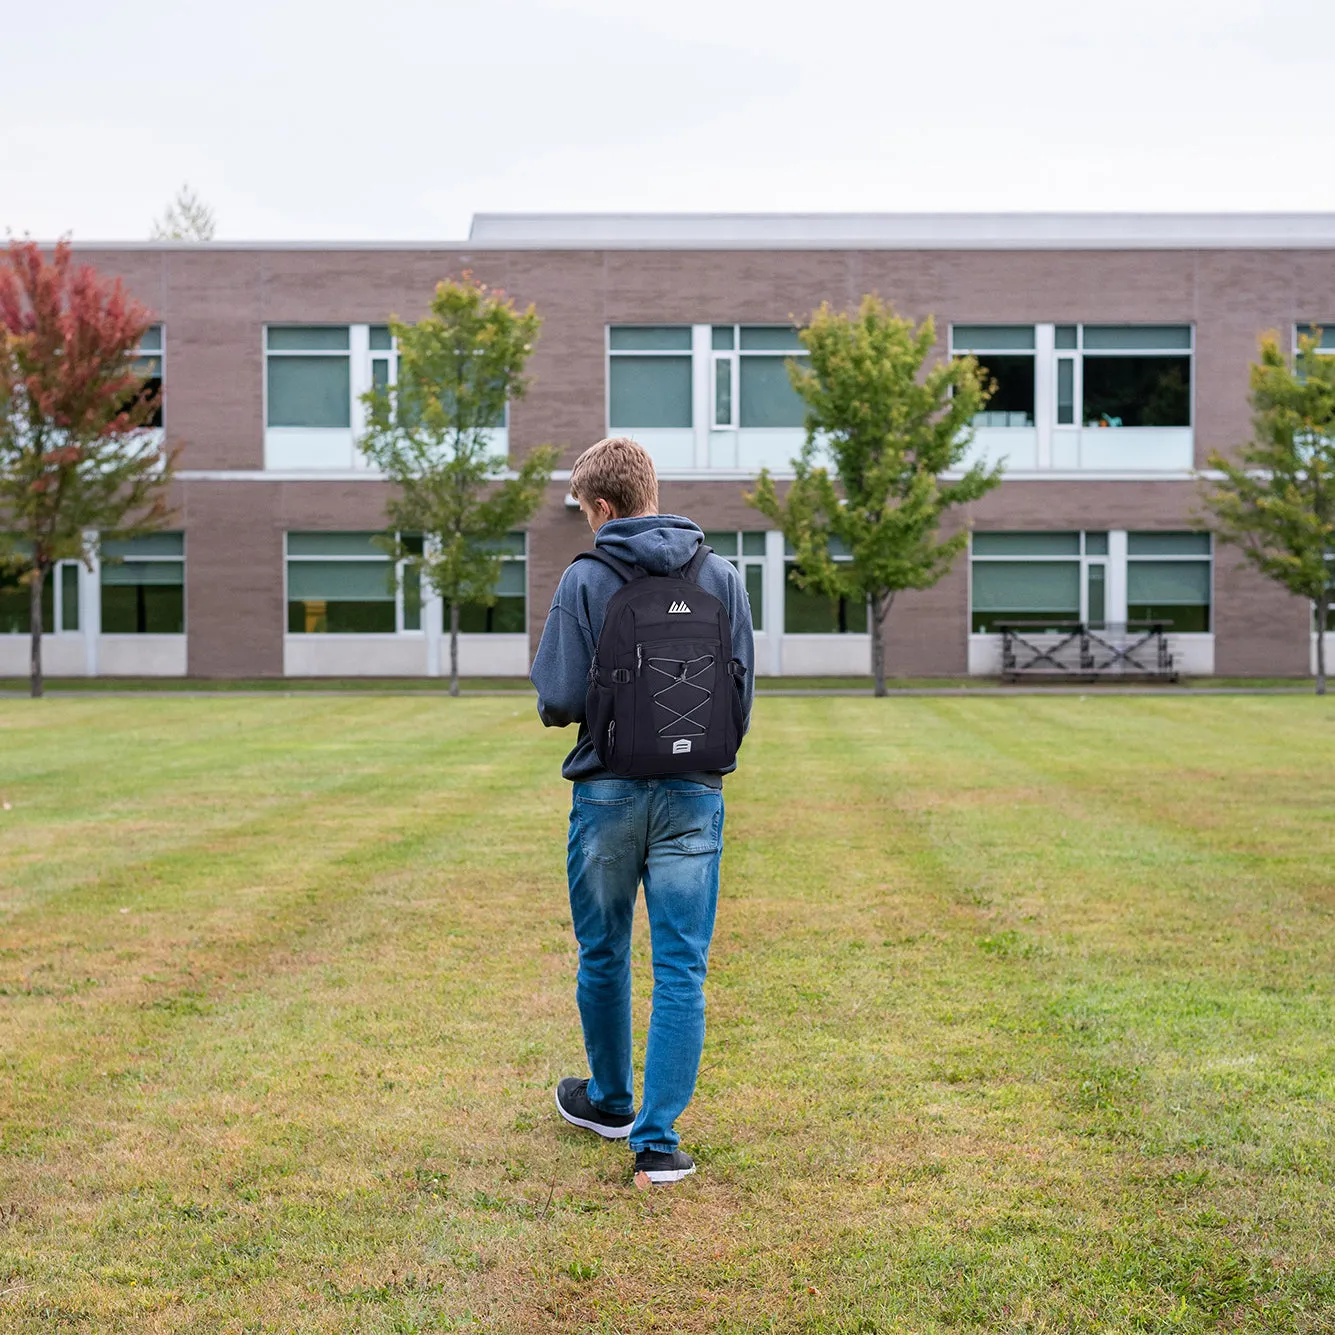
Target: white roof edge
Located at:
point(911, 231)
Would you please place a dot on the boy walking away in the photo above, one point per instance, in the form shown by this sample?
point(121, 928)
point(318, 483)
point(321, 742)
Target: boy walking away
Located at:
point(648, 648)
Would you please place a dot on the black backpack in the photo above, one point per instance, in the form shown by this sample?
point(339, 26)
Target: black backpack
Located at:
point(664, 691)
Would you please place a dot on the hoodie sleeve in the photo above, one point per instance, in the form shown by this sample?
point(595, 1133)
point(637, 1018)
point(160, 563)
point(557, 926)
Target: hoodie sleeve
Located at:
point(561, 665)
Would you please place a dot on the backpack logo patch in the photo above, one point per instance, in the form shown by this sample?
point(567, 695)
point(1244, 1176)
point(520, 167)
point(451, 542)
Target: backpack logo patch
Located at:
point(678, 606)
point(681, 746)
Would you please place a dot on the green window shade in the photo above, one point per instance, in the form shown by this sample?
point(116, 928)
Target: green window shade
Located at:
point(767, 397)
point(754, 576)
point(1026, 544)
point(340, 581)
point(412, 598)
point(837, 548)
point(650, 392)
point(1065, 336)
point(1168, 544)
point(1131, 337)
point(511, 580)
point(724, 543)
point(649, 338)
point(1168, 583)
point(309, 392)
point(1327, 343)
point(381, 339)
point(161, 573)
point(380, 372)
point(992, 337)
point(770, 338)
point(1023, 587)
point(150, 544)
point(1097, 594)
point(753, 544)
point(723, 392)
point(1065, 391)
point(69, 597)
point(512, 544)
point(308, 338)
point(333, 544)
point(1096, 544)
point(722, 338)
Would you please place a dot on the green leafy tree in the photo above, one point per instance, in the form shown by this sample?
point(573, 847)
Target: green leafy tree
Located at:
point(186, 218)
point(431, 434)
point(891, 426)
point(1276, 500)
point(75, 451)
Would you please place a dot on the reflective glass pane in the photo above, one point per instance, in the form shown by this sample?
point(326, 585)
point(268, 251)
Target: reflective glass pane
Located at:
point(1132, 336)
point(143, 609)
point(309, 392)
point(1097, 594)
point(1065, 391)
point(1168, 544)
point(152, 339)
point(512, 544)
point(1137, 391)
point(1096, 544)
point(1168, 583)
point(308, 338)
point(753, 544)
point(650, 338)
point(510, 582)
point(755, 595)
point(767, 397)
point(69, 597)
point(649, 392)
point(412, 598)
point(318, 617)
point(811, 613)
point(991, 337)
point(723, 392)
point(1026, 544)
point(381, 340)
point(770, 338)
point(1065, 335)
point(723, 338)
point(333, 544)
point(15, 608)
point(1012, 401)
point(1327, 334)
point(507, 616)
point(340, 581)
point(380, 372)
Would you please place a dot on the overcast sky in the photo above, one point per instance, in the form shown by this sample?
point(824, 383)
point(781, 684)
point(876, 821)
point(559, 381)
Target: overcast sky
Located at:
point(400, 120)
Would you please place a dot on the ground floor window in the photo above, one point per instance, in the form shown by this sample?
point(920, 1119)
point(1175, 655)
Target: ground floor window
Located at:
point(807, 612)
point(1168, 580)
point(143, 585)
point(60, 600)
point(1033, 579)
point(345, 584)
point(745, 552)
point(508, 615)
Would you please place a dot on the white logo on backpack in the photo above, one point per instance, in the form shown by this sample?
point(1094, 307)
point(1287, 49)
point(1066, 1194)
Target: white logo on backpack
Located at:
point(678, 606)
point(681, 745)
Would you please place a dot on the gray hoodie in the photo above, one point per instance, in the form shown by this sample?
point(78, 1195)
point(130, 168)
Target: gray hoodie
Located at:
point(661, 544)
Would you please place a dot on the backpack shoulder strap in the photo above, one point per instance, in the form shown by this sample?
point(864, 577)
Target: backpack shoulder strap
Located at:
point(626, 572)
point(691, 570)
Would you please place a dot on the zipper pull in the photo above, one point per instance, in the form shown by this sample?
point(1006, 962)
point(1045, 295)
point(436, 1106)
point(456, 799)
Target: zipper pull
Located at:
point(611, 738)
point(639, 658)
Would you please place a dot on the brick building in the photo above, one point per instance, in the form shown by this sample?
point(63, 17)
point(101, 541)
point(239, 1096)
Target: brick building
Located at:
point(1120, 344)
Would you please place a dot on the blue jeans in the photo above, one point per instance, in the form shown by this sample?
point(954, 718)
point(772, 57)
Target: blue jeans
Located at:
point(667, 833)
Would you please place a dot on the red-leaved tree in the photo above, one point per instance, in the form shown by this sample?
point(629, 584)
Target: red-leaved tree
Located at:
point(76, 451)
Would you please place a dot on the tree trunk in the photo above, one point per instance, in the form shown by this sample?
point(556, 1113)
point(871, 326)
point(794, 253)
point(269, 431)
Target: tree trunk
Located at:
point(1322, 615)
point(880, 609)
point(454, 648)
point(35, 632)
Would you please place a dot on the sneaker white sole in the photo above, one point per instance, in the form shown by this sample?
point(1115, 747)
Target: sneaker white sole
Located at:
point(663, 1176)
point(607, 1132)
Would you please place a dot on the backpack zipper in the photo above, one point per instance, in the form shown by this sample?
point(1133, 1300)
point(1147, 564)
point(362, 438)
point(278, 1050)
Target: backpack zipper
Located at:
point(611, 738)
point(639, 658)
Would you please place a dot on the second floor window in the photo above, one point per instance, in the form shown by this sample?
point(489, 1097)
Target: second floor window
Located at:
point(750, 381)
point(649, 377)
point(1006, 355)
point(309, 379)
point(148, 363)
point(1123, 375)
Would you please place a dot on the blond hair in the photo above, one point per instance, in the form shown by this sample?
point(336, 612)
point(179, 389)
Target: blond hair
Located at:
point(619, 471)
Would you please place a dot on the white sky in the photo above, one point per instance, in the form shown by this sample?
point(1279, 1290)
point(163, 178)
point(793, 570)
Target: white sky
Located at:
point(399, 120)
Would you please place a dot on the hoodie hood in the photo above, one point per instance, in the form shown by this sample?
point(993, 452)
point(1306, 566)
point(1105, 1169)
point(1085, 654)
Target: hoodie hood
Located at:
point(661, 544)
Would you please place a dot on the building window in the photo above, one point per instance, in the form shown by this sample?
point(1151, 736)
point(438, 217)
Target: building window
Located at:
point(309, 376)
point(649, 377)
point(344, 584)
point(745, 552)
point(60, 598)
point(1168, 580)
point(508, 615)
point(750, 376)
point(148, 362)
point(1123, 375)
point(1030, 578)
point(1006, 355)
point(808, 612)
point(143, 585)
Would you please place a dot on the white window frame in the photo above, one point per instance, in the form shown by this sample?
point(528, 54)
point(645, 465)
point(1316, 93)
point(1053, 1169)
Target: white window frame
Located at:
point(743, 562)
point(151, 559)
point(1080, 352)
point(1132, 558)
point(1084, 558)
point(379, 559)
point(982, 351)
point(609, 352)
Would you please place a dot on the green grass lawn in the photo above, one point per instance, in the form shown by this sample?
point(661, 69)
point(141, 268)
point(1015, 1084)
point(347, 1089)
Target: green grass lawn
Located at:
point(1020, 1019)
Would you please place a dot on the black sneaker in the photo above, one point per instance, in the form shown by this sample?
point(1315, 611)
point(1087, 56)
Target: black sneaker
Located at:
point(572, 1102)
point(656, 1166)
